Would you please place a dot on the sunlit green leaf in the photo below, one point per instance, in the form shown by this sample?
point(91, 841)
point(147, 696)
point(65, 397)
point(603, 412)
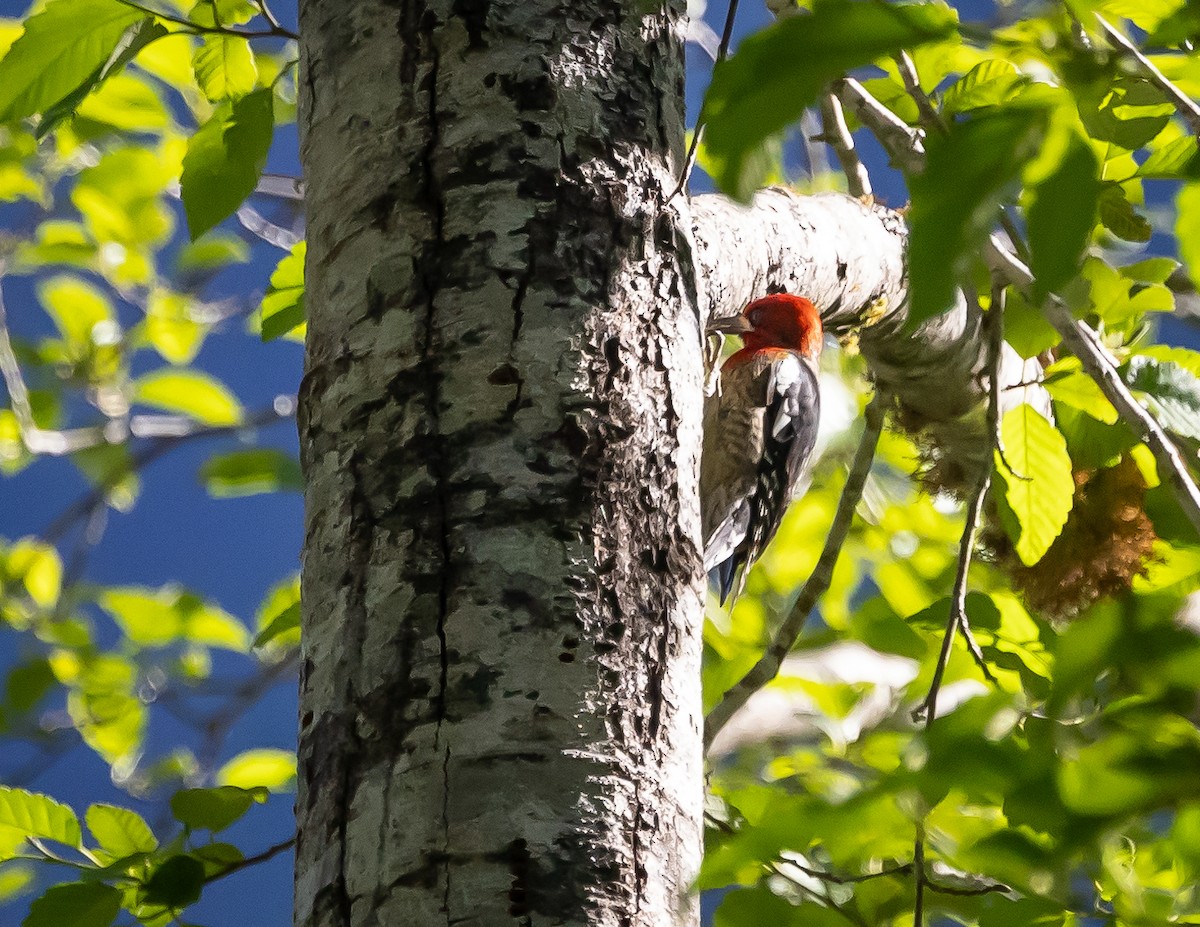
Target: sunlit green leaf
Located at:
point(268, 768)
point(214, 809)
point(191, 393)
point(248, 473)
point(224, 66)
point(15, 880)
point(989, 83)
point(119, 831)
point(1177, 159)
point(171, 327)
point(283, 305)
point(778, 72)
point(278, 617)
point(1187, 228)
point(81, 312)
point(76, 904)
point(1066, 382)
point(27, 814)
point(131, 92)
point(39, 569)
point(225, 158)
point(157, 617)
point(61, 48)
point(1040, 488)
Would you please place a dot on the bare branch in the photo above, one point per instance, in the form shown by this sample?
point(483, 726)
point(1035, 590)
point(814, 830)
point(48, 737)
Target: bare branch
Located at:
point(690, 161)
point(1187, 108)
point(818, 582)
point(267, 854)
point(837, 136)
point(904, 144)
point(931, 119)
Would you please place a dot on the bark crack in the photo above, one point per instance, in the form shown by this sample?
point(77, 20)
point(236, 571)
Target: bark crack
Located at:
point(438, 465)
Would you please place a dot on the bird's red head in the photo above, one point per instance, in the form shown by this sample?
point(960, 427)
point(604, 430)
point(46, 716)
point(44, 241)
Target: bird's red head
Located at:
point(784, 321)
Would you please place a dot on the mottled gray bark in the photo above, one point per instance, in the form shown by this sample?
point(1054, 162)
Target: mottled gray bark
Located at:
point(500, 707)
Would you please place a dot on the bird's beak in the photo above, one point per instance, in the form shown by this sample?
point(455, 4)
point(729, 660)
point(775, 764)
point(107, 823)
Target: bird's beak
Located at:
point(730, 325)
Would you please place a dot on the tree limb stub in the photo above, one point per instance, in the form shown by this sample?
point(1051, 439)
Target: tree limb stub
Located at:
point(847, 256)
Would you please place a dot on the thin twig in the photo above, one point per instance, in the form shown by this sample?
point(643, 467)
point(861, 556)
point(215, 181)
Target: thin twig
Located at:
point(722, 51)
point(275, 32)
point(850, 914)
point(36, 440)
point(98, 495)
point(267, 854)
point(837, 136)
point(1187, 108)
point(919, 870)
point(267, 14)
point(818, 582)
point(836, 879)
point(930, 118)
point(904, 145)
point(1081, 341)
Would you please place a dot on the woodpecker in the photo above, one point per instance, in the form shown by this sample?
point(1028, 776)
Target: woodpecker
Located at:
point(759, 430)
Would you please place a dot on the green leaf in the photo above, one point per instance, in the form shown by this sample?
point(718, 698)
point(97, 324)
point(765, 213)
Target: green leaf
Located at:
point(222, 12)
point(156, 618)
point(279, 614)
point(130, 43)
point(1025, 326)
point(248, 473)
point(176, 883)
point(956, 199)
point(989, 83)
point(1041, 490)
point(1061, 217)
point(27, 684)
point(1119, 217)
point(39, 569)
point(190, 393)
point(778, 72)
point(61, 48)
point(268, 768)
point(15, 880)
point(211, 252)
point(225, 68)
point(225, 158)
point(214, 809)
point(1129, 112)
point(1066, 382)
point(81, 312)
point(283, 305)
point(1172, 393)
point(28, 814)
point(171, 327)
point(119, 831)
point(1187, 228)
point(1178, 159)
point(78, 904)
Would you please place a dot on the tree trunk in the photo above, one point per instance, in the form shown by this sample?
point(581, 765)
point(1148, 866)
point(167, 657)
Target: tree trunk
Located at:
point(500, 706)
